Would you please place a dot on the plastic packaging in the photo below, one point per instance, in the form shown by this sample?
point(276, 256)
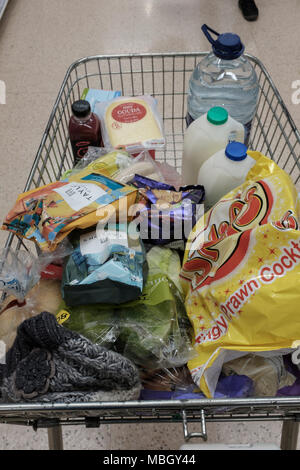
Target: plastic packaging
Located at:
point(154, 330)
point(224, 171)
point(97, 322)
point(207, 135)
point(45, 295)
point(50, 213)
point(268, 373)
point(131, 123)
point(143, 165)
point(165, 215)
point(107, 266)
point(294, 389)
point(177, 384)
point(225, 78)
point(240, 269)
point(20, 270)
point(103, 159)
point(93, 96)
point(170, 175)
point(233, 386)
point(166, 380)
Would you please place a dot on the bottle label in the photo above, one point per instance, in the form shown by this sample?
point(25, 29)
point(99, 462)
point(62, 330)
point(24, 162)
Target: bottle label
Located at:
point(80, 147)
point(129, 112)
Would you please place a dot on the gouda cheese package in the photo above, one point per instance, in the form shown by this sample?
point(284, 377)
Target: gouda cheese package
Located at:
point(131, 123)
point(241, 273)
point(48, 214)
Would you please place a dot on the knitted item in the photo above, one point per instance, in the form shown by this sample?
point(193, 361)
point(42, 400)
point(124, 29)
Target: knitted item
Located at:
point(49, 363)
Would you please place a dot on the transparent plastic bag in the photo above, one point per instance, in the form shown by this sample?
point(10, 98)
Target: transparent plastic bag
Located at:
point(20, 270)
point(154, 330)
point(268, 373)
point(170, 175)
point(143, 165)
point(95, 322)
point(104, 157)
point(44, 296)
point(167, 379)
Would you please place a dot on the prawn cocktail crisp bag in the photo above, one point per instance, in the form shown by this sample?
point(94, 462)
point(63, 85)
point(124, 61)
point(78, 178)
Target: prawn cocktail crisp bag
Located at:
point(241, 273)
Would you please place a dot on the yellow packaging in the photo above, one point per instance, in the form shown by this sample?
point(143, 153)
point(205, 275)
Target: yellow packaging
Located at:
point(241, 271)
point(48, 214)
point(131, 123)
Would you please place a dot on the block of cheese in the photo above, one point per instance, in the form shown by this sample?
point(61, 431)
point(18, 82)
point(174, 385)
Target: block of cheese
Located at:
point(131, 123)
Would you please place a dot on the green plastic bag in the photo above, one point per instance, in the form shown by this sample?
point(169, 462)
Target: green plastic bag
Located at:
point(154, 330)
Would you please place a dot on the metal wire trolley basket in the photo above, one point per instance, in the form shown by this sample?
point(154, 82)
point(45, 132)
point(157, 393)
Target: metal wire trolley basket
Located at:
point(165, 76)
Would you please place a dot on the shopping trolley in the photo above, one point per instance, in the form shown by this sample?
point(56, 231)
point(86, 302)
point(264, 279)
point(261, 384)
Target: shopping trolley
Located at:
point(165, 76)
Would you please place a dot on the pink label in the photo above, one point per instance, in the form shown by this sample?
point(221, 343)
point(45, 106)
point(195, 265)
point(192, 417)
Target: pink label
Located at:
point(129, 112)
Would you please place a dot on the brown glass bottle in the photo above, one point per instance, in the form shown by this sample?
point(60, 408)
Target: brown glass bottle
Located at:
point(84, 129)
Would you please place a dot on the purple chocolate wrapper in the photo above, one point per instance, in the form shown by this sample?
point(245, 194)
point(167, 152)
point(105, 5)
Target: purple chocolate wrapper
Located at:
point(168, 215)
point(233, 386)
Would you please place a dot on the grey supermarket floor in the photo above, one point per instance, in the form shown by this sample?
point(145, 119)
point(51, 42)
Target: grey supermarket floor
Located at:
point(39, 39)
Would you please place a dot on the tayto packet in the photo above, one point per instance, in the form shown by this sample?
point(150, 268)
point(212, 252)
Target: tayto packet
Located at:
point(241, 273)
point(48, 214)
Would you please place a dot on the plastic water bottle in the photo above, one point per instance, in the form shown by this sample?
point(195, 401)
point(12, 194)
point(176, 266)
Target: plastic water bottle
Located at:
point(225, 170)
point(205, 136)
point(224, 78)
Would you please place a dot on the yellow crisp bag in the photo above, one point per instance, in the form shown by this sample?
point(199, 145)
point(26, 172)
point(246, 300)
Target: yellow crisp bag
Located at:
point(241, 271)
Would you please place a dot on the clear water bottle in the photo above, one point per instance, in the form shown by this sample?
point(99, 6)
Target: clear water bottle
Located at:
point(224, 78)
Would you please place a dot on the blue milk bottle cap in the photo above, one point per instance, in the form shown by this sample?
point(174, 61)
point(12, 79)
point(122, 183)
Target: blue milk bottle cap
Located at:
point(236, 151)
point(227, 46)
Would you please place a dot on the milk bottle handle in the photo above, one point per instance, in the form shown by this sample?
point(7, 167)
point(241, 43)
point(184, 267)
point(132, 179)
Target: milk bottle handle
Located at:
point(206, 30)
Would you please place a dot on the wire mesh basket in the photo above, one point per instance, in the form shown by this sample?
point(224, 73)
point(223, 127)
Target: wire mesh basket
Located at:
point(164, 76)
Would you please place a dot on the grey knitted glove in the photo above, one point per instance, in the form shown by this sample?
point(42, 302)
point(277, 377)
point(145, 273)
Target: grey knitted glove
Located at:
point(49, 363)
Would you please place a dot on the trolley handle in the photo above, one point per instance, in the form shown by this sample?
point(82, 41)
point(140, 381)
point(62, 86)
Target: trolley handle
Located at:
point(192, 435)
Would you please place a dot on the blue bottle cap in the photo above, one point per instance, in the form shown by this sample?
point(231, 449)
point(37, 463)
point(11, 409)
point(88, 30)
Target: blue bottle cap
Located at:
point(236, 151)
point(227, 46)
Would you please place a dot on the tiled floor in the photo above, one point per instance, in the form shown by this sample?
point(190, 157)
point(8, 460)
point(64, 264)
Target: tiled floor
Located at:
point(39, 39)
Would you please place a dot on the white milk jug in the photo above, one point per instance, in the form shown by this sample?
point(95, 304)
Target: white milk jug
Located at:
point(205, 136)
point(224, 171)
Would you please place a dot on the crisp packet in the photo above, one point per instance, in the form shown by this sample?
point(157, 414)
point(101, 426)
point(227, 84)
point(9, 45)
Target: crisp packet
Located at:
point(48, 214)
point(240, 273)
point(131, 123)
point(165, 215)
